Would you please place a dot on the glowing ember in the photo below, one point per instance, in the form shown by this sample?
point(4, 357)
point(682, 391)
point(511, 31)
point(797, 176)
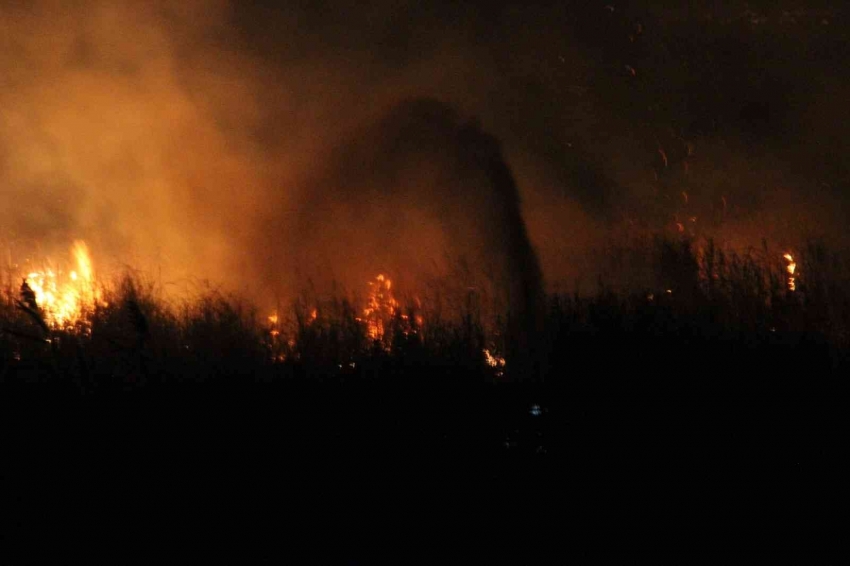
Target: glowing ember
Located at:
point(791, 268)
point(64, 301)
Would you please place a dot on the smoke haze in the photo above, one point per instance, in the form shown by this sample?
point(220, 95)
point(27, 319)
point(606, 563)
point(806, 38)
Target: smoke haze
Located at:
point(263, 145)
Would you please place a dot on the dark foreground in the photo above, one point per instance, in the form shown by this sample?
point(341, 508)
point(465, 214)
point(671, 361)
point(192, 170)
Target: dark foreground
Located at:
point(349, 473)
point(710, 412)
point(261, 472)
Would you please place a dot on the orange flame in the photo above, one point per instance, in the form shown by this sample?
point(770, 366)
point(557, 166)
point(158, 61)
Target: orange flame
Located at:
point(66, 301)
point(791, 268)
point(380, 306)
point(494, 361)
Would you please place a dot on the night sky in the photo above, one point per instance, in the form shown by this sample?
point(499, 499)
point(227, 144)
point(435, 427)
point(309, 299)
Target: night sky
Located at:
point(209, 139)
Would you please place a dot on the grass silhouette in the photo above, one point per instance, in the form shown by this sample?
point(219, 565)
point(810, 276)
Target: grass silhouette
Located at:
point(713, 311)
point(723, 396)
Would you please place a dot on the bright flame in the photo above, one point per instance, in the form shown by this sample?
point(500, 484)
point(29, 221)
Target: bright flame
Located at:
point(493, 361)
point(81, 254)
point(380, 306)
point(65, 302)
point(791, 268)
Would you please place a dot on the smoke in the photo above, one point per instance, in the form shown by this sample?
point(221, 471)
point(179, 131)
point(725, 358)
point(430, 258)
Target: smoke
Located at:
point(102, 139)
point(417, 194)
point(261, 146)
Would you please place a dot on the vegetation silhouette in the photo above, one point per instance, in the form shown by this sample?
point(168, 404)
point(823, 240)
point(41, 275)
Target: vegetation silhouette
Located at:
point(729, 388)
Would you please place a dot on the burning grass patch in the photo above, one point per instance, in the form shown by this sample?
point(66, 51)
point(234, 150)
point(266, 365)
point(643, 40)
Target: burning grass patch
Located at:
point(709, 313)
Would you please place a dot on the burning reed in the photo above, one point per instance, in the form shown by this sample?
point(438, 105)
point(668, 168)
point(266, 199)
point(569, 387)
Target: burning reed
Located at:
point(707, 305)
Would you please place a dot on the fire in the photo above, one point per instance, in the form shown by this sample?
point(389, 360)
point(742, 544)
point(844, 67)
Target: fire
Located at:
point(493, 361)
point(84, 264)
point(380, 306)
point(64, 300)
point(274, 330)
point(791, 268)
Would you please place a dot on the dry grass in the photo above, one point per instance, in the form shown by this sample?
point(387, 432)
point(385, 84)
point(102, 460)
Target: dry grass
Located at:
point(721, 308)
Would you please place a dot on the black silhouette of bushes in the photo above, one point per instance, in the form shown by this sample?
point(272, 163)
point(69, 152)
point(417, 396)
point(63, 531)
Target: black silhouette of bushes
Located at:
point(712, 314)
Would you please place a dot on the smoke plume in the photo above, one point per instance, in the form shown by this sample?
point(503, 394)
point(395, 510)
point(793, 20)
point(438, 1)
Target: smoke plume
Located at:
point(260, 146)
point(417, 194)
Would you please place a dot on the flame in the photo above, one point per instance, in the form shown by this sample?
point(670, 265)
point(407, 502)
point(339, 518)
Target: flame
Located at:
point(84, 264)
point(380, 306)
point(64, 301)
point(274, 330)
point(791, 268)
point(492, 360)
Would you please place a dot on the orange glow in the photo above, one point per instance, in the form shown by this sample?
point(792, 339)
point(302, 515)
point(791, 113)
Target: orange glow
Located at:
point(493, 361)
point(66, 300)
point(274, 331)
point(380, 306)
point(791, 268)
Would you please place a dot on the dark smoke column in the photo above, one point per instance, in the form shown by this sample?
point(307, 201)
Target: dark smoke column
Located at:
point(477, 204)
point(505, 228)
point(421, 160)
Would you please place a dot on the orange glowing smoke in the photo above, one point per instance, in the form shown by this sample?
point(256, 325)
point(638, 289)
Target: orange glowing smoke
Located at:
point(66, 299)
